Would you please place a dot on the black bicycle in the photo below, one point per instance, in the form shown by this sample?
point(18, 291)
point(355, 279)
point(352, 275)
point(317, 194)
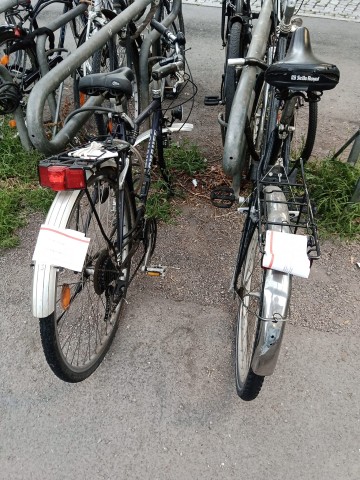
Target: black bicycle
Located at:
point(236, 32)
point(103, 190)
point(274, 127)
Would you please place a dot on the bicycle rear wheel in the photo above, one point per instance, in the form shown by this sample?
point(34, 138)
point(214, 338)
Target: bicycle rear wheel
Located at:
point(304, 122)
point(89, 304)
point(248, 384)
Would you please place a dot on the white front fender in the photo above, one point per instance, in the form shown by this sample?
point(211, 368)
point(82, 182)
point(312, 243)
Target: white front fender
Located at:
point(175, 127)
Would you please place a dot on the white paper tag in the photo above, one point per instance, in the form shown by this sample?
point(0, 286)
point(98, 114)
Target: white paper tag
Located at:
point(61, 247)
point(94, 150)
point(286, 253)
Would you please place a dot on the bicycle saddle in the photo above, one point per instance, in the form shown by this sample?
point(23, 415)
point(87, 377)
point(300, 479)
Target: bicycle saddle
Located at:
point(113, 83)
point(300, 70)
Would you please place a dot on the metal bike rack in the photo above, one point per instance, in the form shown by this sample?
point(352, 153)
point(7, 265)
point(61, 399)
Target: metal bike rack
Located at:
point(151, 38)
point(235, 141)
point(43, 67)
point(6, 4)
point(52, 79)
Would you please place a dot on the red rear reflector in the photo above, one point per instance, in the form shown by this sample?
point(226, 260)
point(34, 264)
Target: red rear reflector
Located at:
point(62, 178)
point(75, 179)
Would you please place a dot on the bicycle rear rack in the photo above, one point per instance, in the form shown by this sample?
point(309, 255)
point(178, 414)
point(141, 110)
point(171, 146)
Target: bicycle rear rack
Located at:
point(301, 212)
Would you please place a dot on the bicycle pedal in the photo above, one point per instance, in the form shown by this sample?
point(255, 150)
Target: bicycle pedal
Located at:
point(212, 100)
point(155, 271)
point(222, 197)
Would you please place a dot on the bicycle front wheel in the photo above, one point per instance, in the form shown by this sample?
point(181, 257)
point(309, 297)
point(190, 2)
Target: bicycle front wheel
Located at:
point(171, 85)
point(231, 77)
point(248, 384)
point(21, 63)
point(89, 303)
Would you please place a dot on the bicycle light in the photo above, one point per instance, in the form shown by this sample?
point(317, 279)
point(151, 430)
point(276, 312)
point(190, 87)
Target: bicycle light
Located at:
point(60, 178)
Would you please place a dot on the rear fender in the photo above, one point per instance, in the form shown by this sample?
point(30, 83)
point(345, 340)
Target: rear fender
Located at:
point(277, 292)
point(44, 279)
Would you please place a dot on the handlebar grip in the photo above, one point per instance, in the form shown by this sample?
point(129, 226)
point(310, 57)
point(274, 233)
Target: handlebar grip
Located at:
point(159, 27)
point(179, 38)
point(164, 71)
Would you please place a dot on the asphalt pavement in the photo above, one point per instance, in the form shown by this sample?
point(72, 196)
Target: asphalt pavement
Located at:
point(332, 9)
point(163, 403)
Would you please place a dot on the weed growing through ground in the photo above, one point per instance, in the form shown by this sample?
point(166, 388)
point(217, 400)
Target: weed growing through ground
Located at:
point(331, 184)
point(185, 159)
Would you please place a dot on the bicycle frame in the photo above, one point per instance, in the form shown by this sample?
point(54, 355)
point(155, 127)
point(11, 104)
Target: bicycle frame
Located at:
point(276, 285)
point(155, 135)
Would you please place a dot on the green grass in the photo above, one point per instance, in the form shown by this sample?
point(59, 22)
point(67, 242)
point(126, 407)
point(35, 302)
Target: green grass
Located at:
point(185, 159)
point(20, 192)
point(19, 189)
point(331, 185)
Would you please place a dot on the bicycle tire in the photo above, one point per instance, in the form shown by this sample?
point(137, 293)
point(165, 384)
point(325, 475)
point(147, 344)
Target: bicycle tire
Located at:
point(77, 335)
point(248, 383)
point(303, 121)
point(305, 129)
point(120, 56)
point(114, 54)
point(22, 63)
point(235, 49)
point(103, 61)
point(78, 23)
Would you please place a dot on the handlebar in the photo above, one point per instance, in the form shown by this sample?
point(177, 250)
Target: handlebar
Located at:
point(178, 39)
point(172, 64)
point(163, 71)
point(248, 61)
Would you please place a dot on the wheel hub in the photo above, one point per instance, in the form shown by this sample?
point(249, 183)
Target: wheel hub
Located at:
point(105, 272)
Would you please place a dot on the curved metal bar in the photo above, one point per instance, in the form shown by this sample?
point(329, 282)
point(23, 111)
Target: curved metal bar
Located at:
point(41, 42)
point(6, 4)
point(58, 74)
point(235, 141)
point(144, 53)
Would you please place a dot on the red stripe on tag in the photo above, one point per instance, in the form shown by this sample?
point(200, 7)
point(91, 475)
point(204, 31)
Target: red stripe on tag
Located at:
point(271, 250)
point(64, 234)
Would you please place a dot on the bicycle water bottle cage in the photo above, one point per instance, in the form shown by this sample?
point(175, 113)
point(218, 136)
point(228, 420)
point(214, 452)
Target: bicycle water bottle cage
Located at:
point(300, 70)
point(114, 83)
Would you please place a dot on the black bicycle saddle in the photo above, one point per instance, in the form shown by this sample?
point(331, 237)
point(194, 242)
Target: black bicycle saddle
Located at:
point(300, 70)
point(113, 83)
